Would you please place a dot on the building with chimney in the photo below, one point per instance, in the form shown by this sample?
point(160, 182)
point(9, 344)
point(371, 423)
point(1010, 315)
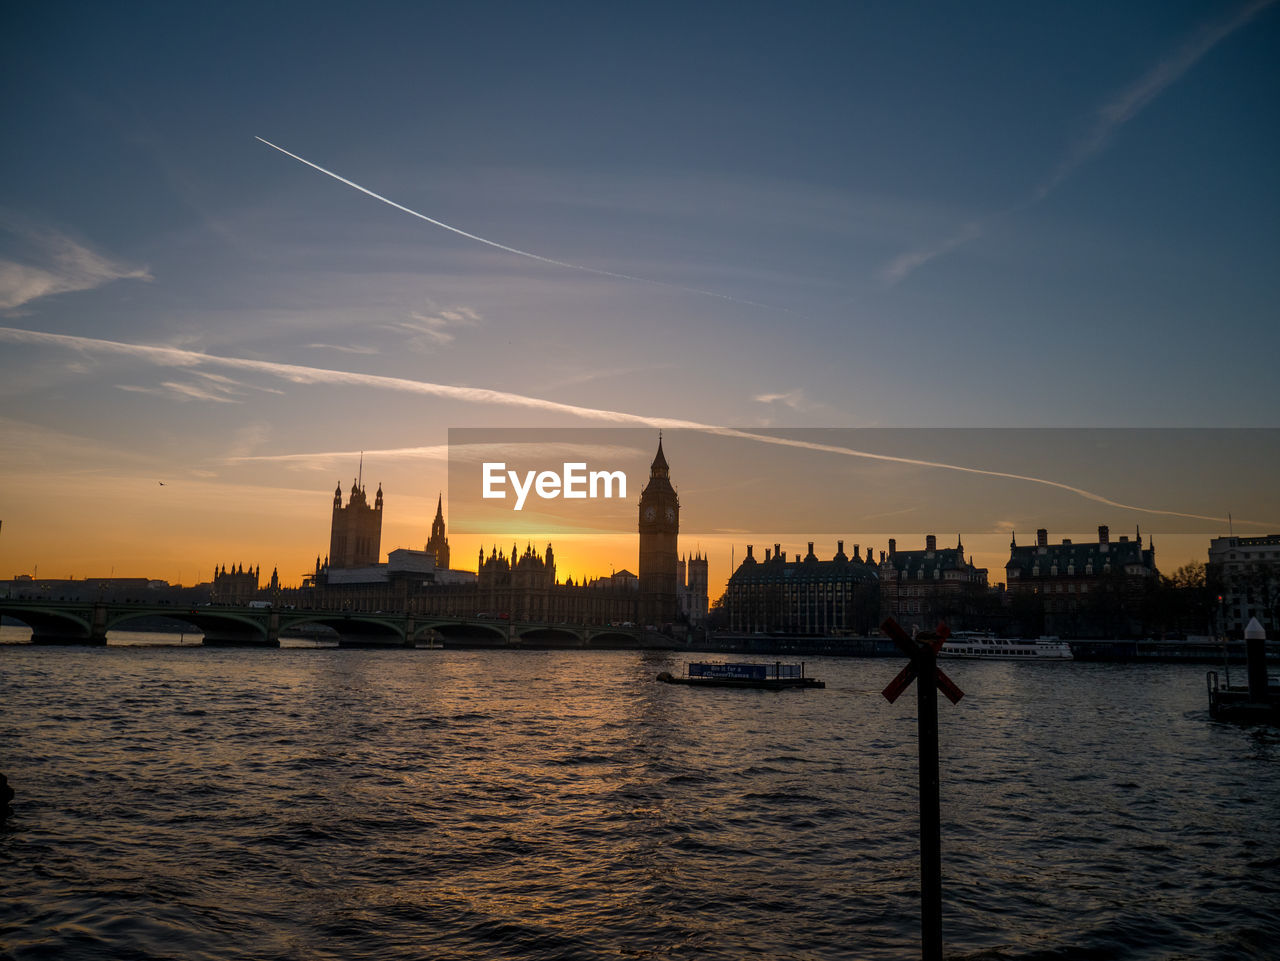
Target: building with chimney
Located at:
point(804, 596)
point(922, 587)
point(1085, 588)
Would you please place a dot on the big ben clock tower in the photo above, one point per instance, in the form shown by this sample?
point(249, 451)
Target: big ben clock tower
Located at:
point(659, 525)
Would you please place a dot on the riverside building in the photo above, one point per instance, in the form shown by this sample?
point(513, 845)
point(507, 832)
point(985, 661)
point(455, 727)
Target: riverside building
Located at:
point(804, 596)
point(1087, 588)
point(920, 588)
point(1245, 572)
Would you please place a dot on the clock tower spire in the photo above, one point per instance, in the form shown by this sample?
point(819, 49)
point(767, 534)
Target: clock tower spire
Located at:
point(659, 527)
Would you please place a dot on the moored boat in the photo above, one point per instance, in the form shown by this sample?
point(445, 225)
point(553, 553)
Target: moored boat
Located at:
point(986, 646)
point(772, 677)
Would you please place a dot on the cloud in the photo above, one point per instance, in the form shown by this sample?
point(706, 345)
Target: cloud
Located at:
point(64, 266)
point(213, 387)
point(794, 399)
point(1119, 109)
point(427, 331)
point(293, 373)
point(180, 391)
point(344, 350)
point(323, 460)
point(1129, 102)
point(903, 265)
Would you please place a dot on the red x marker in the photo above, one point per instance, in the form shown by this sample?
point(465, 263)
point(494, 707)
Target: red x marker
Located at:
point(908, 673)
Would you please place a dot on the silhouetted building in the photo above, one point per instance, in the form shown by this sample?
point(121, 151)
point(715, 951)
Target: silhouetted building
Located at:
point(1245, 573)
point(355, 538)
point(236, 586)
point(807, 596)
point(519, 586)
point(920, 588)
point(438, 543)
point(691, 581)
point(1086, 589)
point(659, 528)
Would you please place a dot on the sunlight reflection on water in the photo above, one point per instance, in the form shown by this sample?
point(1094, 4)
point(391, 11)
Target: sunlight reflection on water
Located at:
point(480, 804)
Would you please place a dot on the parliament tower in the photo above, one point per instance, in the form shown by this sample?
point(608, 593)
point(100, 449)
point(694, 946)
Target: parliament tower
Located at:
point(356, 535)
point(659, 526)
point(439, 543)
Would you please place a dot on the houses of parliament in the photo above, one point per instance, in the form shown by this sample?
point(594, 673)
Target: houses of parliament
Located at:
point(521, 584)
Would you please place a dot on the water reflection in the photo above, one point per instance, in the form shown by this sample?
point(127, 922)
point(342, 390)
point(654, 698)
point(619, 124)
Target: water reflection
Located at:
point(478, 804)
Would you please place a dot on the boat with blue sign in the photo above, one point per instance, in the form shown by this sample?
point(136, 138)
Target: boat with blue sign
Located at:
point(769, 677)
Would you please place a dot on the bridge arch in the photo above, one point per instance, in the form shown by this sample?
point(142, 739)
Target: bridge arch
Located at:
point(551, 636)
point(56, 626)
point(613, 639)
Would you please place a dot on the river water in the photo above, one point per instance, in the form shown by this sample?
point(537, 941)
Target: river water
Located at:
point(193, 803)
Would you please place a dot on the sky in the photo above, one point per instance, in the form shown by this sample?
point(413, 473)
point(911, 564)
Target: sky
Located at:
point(242, 243)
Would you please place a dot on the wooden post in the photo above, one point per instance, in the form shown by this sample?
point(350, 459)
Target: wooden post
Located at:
point(930, 811)
point(923, 668)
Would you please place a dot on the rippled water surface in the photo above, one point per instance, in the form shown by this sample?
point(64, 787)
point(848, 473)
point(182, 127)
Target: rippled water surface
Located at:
point(184, 802)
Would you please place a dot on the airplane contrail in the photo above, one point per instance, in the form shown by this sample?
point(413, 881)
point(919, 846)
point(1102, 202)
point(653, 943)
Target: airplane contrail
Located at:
point(516, 250)
point(298, 374)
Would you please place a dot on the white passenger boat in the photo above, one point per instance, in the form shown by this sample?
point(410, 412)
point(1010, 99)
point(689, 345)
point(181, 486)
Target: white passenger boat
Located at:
point(977, 644)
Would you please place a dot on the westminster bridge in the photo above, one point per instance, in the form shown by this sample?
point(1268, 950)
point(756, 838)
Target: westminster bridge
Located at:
point(85, 622)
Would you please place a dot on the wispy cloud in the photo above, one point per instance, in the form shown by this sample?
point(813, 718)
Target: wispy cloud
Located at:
point(299, 374)
point(181, 391)
point(293, 373)
point(903, 265)
point(58, 265)
point(344, 350)
point(1129, 102)
point(792, 399)
point(212, 387)
point(1119, 109)
point(323, 460)
point(427, 331)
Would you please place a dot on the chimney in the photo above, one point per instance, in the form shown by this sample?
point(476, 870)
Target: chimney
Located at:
point(766, 553)
point(893, 546)
point(749, 557)
point(777, 552)
point(839, 547)
point(930, 543)
point(1042, 538)
point(1104, 536)
point(810, 549)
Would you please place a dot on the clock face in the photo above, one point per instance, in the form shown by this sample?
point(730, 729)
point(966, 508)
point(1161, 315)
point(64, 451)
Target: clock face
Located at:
point(671, 515)
point(650, 513)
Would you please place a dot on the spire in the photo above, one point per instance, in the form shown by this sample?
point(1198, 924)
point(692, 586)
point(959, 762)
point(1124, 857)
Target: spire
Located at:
point(659, 466)
point(440, 507)
point(360, 480)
